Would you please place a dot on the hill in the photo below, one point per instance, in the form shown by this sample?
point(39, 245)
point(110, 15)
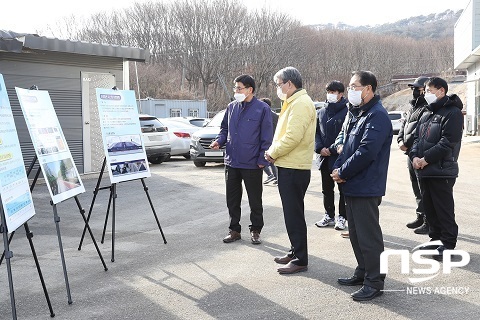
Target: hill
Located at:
point(432, 26)
point(400, 99)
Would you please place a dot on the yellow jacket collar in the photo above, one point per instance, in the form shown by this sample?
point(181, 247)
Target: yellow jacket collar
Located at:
point(291, 98)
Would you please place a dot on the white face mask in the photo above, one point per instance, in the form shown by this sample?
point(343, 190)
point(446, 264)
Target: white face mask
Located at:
point(355, 97)
point(332, 98)
point(282, 96)
point(239, 97)
point(430, 97)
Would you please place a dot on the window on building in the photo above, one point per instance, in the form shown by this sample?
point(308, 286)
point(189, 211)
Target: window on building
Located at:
point(175, 112)
point(193, 112)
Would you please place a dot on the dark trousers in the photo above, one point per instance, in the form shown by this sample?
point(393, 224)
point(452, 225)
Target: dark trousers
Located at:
point(252, 178)
point(292, 186)
point(439, 207)
point(328, 190)
point(415, 187)
point(366, 238)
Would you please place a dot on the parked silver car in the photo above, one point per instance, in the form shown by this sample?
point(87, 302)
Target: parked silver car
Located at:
point(155, 138)
point(397, 118)
point(200, 151)
point(199, 122)
point(180, 134)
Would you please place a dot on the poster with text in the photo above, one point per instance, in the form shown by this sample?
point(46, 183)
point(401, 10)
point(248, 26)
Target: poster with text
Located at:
point(14, 187)
point(121, 133)
point(58, 168)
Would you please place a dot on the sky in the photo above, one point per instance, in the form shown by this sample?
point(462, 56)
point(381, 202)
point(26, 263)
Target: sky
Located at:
point(31, 16)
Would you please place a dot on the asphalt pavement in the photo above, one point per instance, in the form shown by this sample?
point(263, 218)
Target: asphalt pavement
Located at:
point(197, 276)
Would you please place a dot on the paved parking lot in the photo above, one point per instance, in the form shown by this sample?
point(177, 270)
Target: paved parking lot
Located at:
point(196, 276)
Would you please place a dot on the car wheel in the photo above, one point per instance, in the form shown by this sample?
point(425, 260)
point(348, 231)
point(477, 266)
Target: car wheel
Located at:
point(166, 158)
point(158, 160)
point(187, 156)
point(199, 163)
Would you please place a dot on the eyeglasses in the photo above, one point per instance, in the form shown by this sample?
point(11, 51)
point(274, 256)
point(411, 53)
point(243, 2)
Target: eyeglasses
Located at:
point(353, 87)
point(239, 88)
point(430, 91)
point(278, 85)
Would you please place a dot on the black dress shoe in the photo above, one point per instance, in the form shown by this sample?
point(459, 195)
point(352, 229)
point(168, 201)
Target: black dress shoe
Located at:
point(432, 245)
point(439, 256)
point(416, 223)
point(366, 293)
point(352, 281)
point(423, 229)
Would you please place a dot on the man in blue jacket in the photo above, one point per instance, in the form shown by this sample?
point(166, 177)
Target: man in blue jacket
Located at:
point(247, 131)
point(329, 123)
point(362, 168)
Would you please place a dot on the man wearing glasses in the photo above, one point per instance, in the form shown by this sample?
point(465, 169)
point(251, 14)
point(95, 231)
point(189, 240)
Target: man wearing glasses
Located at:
point(292, 152)
point(434, 155)
point(362, 169)
point(247, 132)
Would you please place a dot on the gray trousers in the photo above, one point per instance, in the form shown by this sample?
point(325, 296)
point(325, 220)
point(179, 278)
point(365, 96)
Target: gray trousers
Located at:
point(366, 238)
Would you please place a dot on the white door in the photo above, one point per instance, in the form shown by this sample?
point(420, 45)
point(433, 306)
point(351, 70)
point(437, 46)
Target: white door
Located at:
point(93, 152)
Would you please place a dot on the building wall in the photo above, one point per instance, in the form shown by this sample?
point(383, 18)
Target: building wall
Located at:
point(466, 49)
point(59, 74)
point(471, 99)
point(464, 35)
point(162, 108)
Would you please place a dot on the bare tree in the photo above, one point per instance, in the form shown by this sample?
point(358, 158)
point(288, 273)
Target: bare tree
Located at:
point(193, 44)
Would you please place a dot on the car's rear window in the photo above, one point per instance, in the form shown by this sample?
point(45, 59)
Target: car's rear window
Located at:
point(197, 122)
point(217, 120)
point(394, 116)
point(151, 124)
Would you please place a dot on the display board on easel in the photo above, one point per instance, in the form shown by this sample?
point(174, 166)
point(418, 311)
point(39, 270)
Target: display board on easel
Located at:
point(51, 148)
point(15, 193)
point(14, 187)
point(125, 155)
point(121, 133)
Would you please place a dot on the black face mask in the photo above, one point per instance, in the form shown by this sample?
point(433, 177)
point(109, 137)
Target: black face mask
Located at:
point(416, 93)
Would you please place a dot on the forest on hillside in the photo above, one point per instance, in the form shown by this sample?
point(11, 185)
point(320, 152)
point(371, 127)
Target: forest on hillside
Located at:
point(199, 47)
point(422, 27)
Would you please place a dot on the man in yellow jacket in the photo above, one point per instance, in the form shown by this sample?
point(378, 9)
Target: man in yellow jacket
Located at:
point(292, 152)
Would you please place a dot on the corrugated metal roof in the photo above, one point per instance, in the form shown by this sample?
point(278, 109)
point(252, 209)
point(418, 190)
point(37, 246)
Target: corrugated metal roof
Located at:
point(10, 41)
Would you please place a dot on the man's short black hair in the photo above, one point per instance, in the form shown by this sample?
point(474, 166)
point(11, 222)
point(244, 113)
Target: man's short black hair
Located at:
point(335, 86)
point(367, 78)
point(246, 80)
point(437, 83)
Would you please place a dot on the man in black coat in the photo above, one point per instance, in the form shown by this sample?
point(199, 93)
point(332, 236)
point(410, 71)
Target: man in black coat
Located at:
point(405, 142)
point(434, 156)
point(329, 123)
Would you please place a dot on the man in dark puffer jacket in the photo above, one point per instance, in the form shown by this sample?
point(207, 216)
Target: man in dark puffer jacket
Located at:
point(329, 123)
point(434, 156)
point(405, 141)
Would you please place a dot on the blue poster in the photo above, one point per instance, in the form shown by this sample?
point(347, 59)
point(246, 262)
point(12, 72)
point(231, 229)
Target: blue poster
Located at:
point(14, 187)
point(51, 148)
point(122, 136)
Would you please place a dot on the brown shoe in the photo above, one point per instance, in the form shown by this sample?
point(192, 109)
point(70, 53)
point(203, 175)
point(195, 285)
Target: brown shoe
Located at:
point(283, 260)
point(345, 234)
point(291, 268)
point(255, 237)
point(232, 236)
